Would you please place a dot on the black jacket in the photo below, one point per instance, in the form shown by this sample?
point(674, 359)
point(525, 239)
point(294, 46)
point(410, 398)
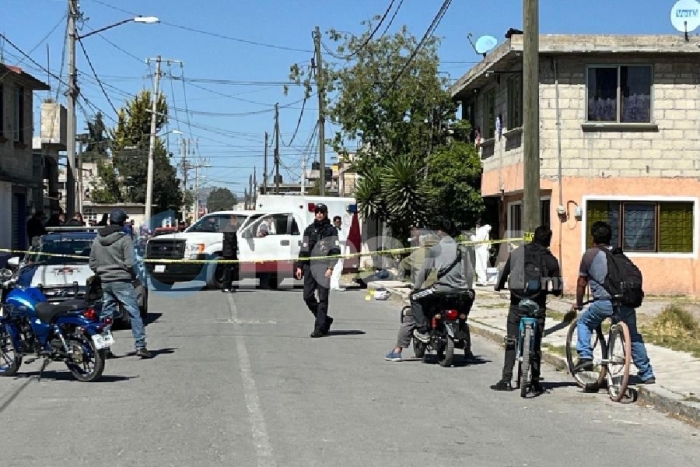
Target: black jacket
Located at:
point(320, 240)
point(229, 248)
point(553, 273)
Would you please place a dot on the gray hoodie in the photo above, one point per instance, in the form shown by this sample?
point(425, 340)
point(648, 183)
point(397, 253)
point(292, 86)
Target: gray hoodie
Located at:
point(112, 255)
point(442, 255)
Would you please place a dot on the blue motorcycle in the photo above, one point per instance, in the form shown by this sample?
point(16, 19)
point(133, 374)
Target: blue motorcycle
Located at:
point(70, 332)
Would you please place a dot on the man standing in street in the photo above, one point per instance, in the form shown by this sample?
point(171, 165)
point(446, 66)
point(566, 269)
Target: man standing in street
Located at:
point(229, 251)
point(320, 240)
point(112, 259)
point(338, 269)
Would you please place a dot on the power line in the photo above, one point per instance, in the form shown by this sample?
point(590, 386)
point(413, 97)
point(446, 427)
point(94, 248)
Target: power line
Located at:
point(94, 73)
point(367, 40)
point(391, 21)
point(25, 55)
point(431, 29)
point(209, 33)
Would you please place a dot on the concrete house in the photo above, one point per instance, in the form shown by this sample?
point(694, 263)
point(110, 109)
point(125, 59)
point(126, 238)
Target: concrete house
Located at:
point(619, 142)
point(21, 173)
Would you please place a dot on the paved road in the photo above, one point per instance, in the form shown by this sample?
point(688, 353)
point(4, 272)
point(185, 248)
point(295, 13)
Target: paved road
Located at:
point(236, 381)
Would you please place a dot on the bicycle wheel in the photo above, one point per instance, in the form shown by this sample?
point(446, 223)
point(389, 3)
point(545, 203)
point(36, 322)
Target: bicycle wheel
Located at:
point(525, 373)
point(619, 360)
point(588, 380)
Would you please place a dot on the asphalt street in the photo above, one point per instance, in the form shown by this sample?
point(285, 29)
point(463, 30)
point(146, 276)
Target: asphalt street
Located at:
point(236, 381)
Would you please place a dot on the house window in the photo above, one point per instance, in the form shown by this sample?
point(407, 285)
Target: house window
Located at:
point(515, 101)
point(18, 123)
point(515, 216)
point(619, 94)
point(643, 226)
point(490, 114)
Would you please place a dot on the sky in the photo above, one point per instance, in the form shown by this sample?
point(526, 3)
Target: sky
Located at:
point(235, 56)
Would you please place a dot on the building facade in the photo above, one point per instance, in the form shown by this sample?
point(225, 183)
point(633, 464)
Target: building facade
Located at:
point(21, 172)
point(619, 142)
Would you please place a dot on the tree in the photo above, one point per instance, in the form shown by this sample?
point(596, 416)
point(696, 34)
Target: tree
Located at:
point(221, 199)
point(454, 178)
point(394, 110)
point(123, 177)
point(97, 141)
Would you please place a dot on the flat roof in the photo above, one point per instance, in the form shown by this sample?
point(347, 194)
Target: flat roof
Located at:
point(510, 52)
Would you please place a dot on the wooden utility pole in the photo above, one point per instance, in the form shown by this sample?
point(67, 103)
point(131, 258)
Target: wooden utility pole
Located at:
point(531, 116)
point(277, 149)
point(265, 167)
point(321, 113)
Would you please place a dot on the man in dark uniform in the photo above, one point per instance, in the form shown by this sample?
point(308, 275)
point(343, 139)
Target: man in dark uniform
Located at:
point(229, 251)
point(320, 240)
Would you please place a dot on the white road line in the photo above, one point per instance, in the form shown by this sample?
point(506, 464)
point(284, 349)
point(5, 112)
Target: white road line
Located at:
point(261, 440)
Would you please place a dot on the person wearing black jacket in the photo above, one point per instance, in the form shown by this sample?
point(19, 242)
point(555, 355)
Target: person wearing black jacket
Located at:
point(539, 247)
point(229, 251)
point(320, 240)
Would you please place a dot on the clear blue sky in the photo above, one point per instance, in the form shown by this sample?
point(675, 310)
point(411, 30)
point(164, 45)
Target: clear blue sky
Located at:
point(233, 144)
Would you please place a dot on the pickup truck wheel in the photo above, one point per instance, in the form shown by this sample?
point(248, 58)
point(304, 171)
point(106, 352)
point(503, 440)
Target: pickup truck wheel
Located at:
point(216, 281)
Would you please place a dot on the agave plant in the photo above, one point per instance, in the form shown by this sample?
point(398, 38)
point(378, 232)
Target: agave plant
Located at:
point(403, 190)
point(368, 194)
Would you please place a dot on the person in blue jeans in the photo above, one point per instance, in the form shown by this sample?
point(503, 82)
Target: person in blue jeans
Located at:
point(592, 272)
point(112, 259)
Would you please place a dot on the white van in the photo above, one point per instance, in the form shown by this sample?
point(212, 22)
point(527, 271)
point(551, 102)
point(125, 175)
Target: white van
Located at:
point(270, 256)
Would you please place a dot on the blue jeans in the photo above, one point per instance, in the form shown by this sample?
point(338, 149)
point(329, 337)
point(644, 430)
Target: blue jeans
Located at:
point(594, 315)
point(114, 293)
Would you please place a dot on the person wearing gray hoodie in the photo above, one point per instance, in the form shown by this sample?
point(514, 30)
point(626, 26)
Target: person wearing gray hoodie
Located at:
point(112, 259)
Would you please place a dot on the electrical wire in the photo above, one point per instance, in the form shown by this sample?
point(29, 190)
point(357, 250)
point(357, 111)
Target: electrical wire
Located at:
point(209, 33)
point(391, 21)
point(367, 40)
point(431, 29)
point(25, 55)
point(94, 73)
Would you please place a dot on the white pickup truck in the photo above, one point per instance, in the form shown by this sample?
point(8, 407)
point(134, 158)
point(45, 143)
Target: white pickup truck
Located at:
point(271, 256)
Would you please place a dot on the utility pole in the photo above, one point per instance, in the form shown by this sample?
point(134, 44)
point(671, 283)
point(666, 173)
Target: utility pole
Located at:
point(184, 176)
point(72, 95)
point(303, 173)
point(152, 142)
point(265, 167)
point(254, 186)
point(321, 113)
point(531, 116)
point(277, 149)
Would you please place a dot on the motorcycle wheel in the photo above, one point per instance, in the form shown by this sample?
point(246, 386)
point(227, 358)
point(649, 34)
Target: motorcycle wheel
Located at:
point(10, 359)
point(446, 358)
point(88, 367)
point(418, 348)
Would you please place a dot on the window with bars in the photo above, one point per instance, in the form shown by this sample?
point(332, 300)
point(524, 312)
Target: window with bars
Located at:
point(515, 101)
point(490, 114)
point(645, 226)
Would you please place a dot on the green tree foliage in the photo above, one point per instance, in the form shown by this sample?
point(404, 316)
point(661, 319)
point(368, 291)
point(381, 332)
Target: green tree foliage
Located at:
point(97, 140)
point(123, 177)
point(397, 114)
point(221, 199)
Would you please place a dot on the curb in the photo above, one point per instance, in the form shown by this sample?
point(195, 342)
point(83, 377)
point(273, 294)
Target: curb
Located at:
point(659, 399)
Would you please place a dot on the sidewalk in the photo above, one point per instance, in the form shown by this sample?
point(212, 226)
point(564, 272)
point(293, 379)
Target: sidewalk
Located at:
point(677, 388)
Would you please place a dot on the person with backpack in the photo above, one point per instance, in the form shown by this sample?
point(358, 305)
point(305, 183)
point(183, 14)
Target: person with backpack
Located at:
point(614, 281)
point(529, 270)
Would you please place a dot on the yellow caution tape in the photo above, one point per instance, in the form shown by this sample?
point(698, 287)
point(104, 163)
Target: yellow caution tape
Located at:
point(260, 261)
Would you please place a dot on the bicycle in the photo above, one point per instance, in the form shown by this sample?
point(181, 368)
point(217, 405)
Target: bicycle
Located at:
point(525, 351)
point(603, 367)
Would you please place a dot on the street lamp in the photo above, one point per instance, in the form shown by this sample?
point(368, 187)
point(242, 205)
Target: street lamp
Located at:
point(73, 92)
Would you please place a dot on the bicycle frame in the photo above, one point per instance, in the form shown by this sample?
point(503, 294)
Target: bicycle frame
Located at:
point(524, 323)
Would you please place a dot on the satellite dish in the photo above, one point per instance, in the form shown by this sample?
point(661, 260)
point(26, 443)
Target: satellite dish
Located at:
point(486, 43)
point(685, 15)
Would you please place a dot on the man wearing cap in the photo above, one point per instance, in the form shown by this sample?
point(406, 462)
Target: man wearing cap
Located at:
point(320, 240)
point(112, 259)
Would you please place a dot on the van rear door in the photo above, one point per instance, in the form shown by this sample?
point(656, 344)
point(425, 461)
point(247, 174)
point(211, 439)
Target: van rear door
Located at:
point(265, 245)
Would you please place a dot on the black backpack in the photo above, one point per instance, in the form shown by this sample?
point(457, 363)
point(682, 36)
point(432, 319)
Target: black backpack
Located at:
point(624, 279)
point(527, 271)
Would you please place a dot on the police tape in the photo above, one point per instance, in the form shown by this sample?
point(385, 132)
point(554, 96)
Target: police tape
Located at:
point(219, 260)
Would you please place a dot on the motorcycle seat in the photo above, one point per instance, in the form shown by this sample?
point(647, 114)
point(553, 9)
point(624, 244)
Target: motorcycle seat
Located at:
point(48, 311)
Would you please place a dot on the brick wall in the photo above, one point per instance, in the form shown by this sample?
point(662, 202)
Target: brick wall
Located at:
point(669, 151)
point(15, 160)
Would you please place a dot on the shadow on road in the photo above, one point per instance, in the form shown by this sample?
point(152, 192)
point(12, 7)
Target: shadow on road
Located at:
point(58, 375)
point(154, 352)
point(349, 332)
